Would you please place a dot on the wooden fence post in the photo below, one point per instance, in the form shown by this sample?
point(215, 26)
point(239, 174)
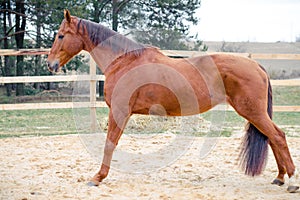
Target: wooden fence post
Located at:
point(93, 98)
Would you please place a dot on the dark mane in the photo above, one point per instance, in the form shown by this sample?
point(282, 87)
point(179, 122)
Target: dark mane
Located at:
point(101, 35)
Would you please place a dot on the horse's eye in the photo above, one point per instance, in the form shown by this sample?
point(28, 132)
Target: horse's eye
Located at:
point(60, 36)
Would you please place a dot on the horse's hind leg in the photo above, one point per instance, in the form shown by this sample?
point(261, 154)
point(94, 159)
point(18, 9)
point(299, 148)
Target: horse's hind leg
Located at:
point(280, 148)
point(255, 111)
point(277, 141)
point(242, 109)
point(279, 180)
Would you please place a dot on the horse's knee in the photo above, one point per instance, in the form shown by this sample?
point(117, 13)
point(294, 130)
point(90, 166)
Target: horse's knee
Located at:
point(109, 147)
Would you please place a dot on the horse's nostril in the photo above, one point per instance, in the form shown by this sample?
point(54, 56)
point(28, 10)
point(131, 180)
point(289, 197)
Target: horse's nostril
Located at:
point(49, 66)
point(55, 67)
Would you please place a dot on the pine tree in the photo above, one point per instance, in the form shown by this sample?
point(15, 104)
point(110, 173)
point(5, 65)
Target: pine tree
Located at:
point(162, 23)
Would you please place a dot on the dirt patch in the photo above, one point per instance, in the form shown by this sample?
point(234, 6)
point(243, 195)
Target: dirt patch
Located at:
point(59, 167)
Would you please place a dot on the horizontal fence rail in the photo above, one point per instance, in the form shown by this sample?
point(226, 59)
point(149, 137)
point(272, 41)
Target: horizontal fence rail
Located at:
point(44, 79)
point(171, 53)
point(58, 105)
point(255, 56)
point(93, 104)
point(23, 52)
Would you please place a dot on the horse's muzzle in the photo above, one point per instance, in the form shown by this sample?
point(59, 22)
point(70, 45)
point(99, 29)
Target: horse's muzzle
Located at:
point(53, 66)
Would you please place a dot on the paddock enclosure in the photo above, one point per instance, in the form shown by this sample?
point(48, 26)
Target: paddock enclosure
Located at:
point(58, 167)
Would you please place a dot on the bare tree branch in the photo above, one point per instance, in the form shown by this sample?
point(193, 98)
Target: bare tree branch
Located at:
point(10, 30)
point(121, 5)
point(13, 34)
point(14, 12)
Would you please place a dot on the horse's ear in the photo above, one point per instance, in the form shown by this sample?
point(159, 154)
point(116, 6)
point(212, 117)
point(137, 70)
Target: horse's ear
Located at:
point(67, 15)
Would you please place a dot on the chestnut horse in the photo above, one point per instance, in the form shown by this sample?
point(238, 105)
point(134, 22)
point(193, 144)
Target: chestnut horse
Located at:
point(141, 80)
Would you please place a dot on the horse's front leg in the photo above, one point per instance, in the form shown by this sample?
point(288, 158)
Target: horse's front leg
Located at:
point(115, 130)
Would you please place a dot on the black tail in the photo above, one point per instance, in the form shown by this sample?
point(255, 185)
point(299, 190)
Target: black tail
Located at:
point(254, 150)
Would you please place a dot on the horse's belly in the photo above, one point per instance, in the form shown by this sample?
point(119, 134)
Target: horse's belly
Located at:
point(159, 100)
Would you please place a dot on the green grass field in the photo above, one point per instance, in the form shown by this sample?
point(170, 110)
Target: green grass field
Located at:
point(71, 121)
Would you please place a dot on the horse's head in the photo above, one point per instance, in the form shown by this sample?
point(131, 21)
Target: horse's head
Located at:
point(67, 43)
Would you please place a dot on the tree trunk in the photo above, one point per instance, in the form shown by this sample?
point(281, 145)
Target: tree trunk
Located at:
point(115, 6)
point(38, 59)
point(20, 27)
point(96, 14)
point(20, 72)
point(7, 59)
point(7, 70)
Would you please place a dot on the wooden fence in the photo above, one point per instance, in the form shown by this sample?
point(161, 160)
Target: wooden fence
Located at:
point(93, 78)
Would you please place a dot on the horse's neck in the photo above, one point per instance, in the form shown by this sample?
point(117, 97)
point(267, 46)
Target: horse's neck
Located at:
point(112, 48)
point(105, 45)
point(104, 56)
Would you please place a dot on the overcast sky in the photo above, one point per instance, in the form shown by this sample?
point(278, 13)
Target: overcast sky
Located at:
point(249, 20)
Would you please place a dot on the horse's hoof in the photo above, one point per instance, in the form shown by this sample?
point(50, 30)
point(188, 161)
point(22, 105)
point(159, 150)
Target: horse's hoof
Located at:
point(277, 182)
point(292, 189)
point(93, 183)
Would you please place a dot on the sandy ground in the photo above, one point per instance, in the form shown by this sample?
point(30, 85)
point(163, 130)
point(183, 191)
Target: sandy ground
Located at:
point(59, 167)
